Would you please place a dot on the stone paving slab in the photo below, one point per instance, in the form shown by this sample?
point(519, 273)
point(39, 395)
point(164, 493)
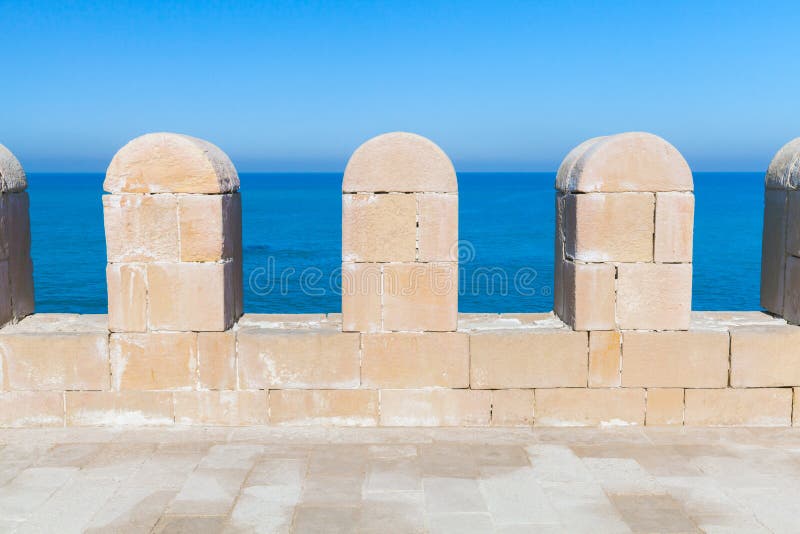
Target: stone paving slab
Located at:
point(242, 480)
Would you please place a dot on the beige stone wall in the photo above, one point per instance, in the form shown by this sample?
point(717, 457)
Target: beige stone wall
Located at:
point(621, 348)
point(399, 237)
point(624, 222)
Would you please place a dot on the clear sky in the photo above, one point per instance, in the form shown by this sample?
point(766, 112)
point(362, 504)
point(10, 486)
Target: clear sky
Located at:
point(499, 85)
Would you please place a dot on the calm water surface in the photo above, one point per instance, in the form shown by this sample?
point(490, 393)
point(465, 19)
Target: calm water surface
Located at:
point(292, 240)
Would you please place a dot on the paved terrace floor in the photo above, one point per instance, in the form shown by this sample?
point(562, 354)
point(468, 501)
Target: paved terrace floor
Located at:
point(399, 480)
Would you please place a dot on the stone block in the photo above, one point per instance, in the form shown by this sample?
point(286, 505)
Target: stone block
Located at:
point(435, 407)
point(618, 227)
point(504, 359)
point(6, 309)
point(773, 251)
point(399, 161)
point(792, 246)
point(127, 297)
point(765, 356)
point(438, 226)
point(631, 161)
point(191, 296)
point(589, 295)
point(379, 228)
point(420, 296)
point(796, 409)
point(512, 407)
point(141, 228)
point(31, 409)
point(298, 359)
point(216, 360)
point(791, 295)
point(20, 265)
point(170, 163)
point(674, 227)
point(589, 407)
point(12, 175)
point(559, 258)
point(210, 226)
point(362, 290)
point(688, 359)
point(605, 359)
point(225, 408)
point(357, 407)
point(739, 407)
point(156, 360)
point(415, 360)
point(664, 406)
point(654, 296)
point(109, 408)
point(40, 359)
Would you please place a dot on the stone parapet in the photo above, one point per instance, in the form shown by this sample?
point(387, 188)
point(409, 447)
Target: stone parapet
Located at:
point(621, 347)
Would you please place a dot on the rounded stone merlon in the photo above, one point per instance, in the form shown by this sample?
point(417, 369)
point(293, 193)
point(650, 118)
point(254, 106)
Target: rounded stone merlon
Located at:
point(171, 163)
point(12, 175)
point(784, 169)
point(399, 162)
point(634, 161)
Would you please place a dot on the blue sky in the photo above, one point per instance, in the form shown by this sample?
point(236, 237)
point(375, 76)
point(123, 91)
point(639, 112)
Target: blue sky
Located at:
point(297, 86)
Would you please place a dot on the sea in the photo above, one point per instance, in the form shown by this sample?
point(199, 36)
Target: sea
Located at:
point(292, 241)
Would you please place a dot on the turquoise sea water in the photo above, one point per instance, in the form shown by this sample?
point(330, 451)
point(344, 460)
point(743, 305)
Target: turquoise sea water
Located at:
point(292, 239)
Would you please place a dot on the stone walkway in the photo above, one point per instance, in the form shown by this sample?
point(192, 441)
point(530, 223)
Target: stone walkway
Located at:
point(399, 480)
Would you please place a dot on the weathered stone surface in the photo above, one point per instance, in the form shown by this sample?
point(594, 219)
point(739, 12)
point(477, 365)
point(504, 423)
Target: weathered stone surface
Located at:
point(191, 296)
point(108, 408)
point(298, 359)
point(141, 228)
point(170, 163)
point(688, 359)
point(724, 320)
point(633, 161)
point(438, 226)
point(399, 161)
point(664, 406)
point(127, 297)
point(216, 360)
point(156, 360)
point(654, 296)
point(522, 358)
point(791, 294)
point(362, 290)
point(605, 359)
point(228, 408)
point(415, 360)
point(589, 407)
point(512, 407)
point(589, 295)
point(12, 175)
point(210, 226)
point(358, 407)
point(31, 408)
point(17, 230)
point(420, 297)
point(739, 407)
point(609, 227)
point(435, 407)
point(6, 309)
point(674, 227)
point(379, 227)
point(773, 250)
point(292, 321)
point(796, 409)
point(792, 222)
point(765, 356)
point(54, 353)
point(784, 169)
